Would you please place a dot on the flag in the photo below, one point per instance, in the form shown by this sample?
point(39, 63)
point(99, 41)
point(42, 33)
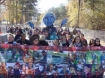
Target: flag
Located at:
point(64, 21)
point(31, 24)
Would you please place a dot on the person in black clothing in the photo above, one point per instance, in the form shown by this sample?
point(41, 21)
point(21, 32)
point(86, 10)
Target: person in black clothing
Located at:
point(10, 38)
point(97, 42)
point(18, 36)
point(44, 57)
point(35, 35)
point(42, 41)
point(12, 30)
point(23, 40)
point(64, 41)
point(35, 42)
point(20, 30)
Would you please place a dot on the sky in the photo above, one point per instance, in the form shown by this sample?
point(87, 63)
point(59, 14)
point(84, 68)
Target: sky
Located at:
point(44, 5)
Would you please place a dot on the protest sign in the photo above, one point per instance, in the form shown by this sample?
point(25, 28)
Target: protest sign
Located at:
point(35, 61)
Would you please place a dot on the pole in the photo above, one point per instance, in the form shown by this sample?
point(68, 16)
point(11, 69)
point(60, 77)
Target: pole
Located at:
point(0, 12)
point(13, 14)
point(79, 1)
point(16, 12)
point(22, 14)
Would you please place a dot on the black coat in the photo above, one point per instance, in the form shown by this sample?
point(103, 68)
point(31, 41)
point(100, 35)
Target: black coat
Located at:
point(17, 37)
point(27, 42)
point(43, 43)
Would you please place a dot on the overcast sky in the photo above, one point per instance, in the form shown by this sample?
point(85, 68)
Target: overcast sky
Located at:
point(44, 5)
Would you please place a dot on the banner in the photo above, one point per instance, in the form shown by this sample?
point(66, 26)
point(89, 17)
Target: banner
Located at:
point(19, 61)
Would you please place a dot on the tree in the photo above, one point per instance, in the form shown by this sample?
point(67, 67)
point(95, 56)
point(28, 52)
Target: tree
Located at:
point(29, 9)
point(18, 10)
point(59, 12)
point(91, 15)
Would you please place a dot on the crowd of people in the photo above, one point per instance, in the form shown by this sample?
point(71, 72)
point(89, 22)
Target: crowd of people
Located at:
point(60, 37)
point(29, 65)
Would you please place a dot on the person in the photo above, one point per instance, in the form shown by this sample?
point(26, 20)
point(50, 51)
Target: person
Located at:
point(87, 70)
point(79, 33)
point(94, 58)
point(50, 70)
point(97, 42)
point(11, 30)
point(16, 56)
point(64, 42)
point(59, 33)
point(46, 33)
point(40, 70)
point(72, 59)
point(44, 57)
point(69, 38)
point(81, 59)
point(29, 32)
point(72, 70)
point(79, 68)
point(35, 35)
point(77, 42)
point(35, 42)
point(56, 43)
point(3, 72)
point(83, 40)
point(17, 36)
point(17, 70)
point(103, 58)
point(23, 40)
point(98, 71)
point(42, 41)
point(64, 71)
point(10, 72)
point(28, 58)
point(10, 39)
point(29, 71)
point(75, 31)
point(20, 30)
point(23, 71)
point(53, 36)
point(91, 43)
